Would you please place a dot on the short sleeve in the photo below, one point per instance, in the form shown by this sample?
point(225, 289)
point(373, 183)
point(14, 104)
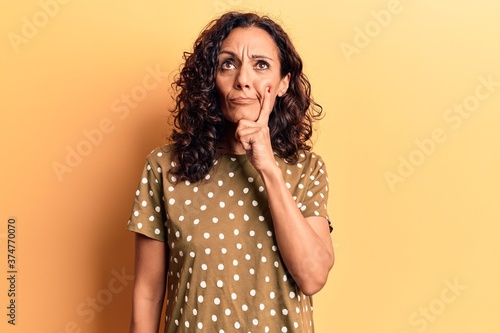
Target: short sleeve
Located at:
point(148, 216)
point(316, 198)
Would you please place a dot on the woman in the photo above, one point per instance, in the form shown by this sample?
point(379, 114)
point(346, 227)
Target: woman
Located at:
point(231, 217)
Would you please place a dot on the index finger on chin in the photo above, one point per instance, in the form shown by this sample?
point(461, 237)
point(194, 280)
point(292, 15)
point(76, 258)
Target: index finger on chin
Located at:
point(265, 109)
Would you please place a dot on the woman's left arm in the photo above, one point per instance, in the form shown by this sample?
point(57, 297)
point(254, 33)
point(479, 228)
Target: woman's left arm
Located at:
point(304, 243)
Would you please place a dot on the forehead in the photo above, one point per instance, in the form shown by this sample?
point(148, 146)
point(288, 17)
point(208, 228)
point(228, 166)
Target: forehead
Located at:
point(252, 39)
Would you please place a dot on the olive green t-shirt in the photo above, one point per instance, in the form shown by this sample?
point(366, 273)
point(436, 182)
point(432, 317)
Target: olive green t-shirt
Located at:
point(225, 272)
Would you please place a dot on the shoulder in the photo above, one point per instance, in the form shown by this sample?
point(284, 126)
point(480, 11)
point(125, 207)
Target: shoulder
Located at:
point(306, 160)
point(160, 160)
point(309, 168)
point(310, 157)
point(161, 155)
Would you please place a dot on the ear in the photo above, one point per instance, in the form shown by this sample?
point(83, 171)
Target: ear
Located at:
point(283, 85)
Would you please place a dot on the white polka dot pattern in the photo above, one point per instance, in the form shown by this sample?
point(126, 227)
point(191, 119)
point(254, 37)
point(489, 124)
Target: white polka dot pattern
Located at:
point(225, 272)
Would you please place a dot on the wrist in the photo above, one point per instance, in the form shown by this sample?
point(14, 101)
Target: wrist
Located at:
point(271, 174)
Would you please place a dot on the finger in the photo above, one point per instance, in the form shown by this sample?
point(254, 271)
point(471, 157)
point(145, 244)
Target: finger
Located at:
point(249, 132)
point(246, 134)
point(266, 108)
point(244, 124)
point(247, 145)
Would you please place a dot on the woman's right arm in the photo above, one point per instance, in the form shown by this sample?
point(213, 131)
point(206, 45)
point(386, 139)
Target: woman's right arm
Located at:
point(149, 286)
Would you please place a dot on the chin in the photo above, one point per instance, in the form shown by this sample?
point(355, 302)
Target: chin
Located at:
point(235, 117)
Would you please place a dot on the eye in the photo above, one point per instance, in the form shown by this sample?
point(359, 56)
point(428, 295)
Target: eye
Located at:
point(227, 64)
point(261, 64)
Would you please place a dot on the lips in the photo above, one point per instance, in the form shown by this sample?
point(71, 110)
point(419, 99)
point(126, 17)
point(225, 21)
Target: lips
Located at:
point(242, 100)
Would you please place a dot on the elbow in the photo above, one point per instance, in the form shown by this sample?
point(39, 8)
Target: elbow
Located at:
point(314, 285)
point(316, 280)
point(310, 289)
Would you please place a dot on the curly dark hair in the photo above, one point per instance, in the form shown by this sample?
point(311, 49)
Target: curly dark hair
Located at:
point(198, 120)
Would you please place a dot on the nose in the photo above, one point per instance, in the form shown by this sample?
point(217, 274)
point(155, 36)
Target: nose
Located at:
point(242, 79)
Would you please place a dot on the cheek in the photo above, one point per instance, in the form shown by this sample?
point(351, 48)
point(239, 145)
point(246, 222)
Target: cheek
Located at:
point(261, 87)
point(221, 86)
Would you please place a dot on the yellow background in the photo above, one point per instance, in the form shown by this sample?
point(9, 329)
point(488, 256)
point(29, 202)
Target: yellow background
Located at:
point(420, 254)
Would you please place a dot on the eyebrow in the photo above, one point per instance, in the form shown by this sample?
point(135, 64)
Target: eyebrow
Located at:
point(253, 56)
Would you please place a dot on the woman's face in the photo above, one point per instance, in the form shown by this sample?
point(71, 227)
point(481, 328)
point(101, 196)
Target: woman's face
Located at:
point(248, 64)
